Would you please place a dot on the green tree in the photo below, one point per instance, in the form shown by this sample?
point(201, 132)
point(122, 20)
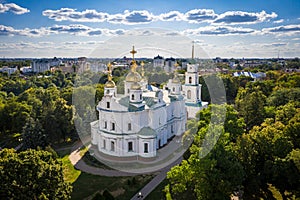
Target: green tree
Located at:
point(34, 135)
point(219, 173)
point(32, 174)
point(250, 105)
point(263, 152)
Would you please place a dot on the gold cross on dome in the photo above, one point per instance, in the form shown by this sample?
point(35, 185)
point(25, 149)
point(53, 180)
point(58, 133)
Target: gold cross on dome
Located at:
point(109, 76)
point(133, 52)
point(176, 64)
point(109, 66)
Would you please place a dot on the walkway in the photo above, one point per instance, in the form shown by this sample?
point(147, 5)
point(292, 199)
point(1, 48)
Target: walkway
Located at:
point(78, 163)
point(147, 189)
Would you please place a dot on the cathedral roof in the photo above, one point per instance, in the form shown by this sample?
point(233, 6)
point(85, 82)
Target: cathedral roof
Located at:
point(110, 84)
point(170, 59)
point(133, 76)
point(176, 80)
point(147, 131)
point(158, 57)
point(135, 86)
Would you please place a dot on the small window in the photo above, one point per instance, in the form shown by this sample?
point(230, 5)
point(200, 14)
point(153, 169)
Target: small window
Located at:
point(132, 97)
point(104, 144)
point(128, 90)
point(190, 80)
point(146, 150)
point(172, 129)
point(113, 126)
point(105, 125)
point(130, 146)
point(129, 126)
point(173, 89)
point(189, 94)
point(140, 96)
point(107, 104)
point(112, 146)
point(107, 91)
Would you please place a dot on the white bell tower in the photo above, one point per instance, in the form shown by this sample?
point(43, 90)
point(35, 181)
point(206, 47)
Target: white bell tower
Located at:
point(192, 90)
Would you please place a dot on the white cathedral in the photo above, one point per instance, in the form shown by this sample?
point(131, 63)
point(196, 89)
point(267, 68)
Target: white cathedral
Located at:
point(144, 118)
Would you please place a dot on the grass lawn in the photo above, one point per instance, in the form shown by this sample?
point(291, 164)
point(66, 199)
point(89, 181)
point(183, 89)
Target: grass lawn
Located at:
point(158, 193)
point(70, 173)
point(87, 185)
point(122, 188)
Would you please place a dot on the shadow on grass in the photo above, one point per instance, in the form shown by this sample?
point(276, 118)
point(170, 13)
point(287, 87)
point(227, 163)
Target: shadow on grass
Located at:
point(122, 188)
point(92, 161)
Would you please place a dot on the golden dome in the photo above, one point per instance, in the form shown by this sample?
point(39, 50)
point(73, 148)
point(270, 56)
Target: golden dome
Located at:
point(110, 84)
point(175, 80)
point(133, 76)
point(135, 86)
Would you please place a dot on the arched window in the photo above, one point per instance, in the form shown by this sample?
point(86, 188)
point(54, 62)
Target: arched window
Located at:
point(129, 126)
point(130, 146)
point(190, 80)
point(107, 91)
point(189, 94)
point(104, 144)
point(173, 89)
point(140, 96)
point(132, 97)
point(112, 146)
point(128, 90)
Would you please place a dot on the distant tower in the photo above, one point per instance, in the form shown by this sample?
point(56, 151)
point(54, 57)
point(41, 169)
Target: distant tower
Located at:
point(192, 90)
point(193, 51)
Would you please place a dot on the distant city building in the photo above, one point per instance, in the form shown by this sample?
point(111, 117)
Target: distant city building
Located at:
point(158, 61)
point(79, 65)
point(42, 65)
point(255, 76)
point(8, 70)
point(25, 70)
point(169, 65)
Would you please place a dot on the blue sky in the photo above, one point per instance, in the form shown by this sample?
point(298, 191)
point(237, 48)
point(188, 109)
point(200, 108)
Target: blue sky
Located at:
point(72, 28)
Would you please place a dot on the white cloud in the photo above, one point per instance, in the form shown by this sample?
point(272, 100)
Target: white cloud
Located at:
point(144, 16)
point(69, 14)
point(128, 17)
point(10, 31)
point(219, 30)
point(73, 29)
point(278, 21)
point(292, 29)
point(240, 17)
point(171, 16)
point(132, 17)
point(14, 8)
point(200, 15)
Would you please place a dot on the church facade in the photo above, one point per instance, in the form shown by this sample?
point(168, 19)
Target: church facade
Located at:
point(144, 118)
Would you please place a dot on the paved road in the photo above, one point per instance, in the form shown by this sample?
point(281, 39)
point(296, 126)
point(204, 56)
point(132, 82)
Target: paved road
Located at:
point(76, 160)
point(78, 163)
point(145, 191)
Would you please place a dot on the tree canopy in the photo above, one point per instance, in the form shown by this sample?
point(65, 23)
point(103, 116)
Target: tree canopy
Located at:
point(30, 175)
